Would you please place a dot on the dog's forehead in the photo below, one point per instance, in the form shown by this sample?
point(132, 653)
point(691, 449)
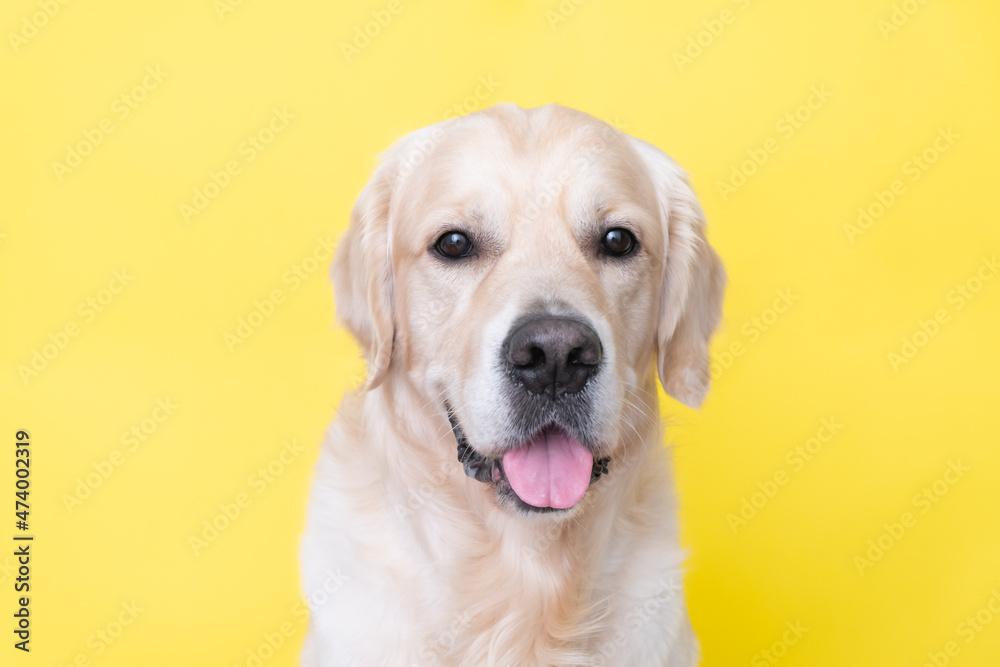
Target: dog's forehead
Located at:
point(515, 159)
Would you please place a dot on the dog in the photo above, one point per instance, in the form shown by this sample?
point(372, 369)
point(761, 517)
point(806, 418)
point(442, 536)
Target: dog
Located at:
point(497, 493)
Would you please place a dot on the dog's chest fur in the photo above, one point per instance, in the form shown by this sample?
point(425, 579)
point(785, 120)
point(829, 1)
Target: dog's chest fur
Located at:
point(427, 574)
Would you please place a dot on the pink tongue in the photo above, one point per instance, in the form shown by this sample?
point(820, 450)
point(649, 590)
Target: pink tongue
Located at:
point(553, 470)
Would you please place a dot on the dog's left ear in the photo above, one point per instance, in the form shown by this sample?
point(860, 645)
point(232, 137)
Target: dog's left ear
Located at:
point(362, 274)
point(693, 283)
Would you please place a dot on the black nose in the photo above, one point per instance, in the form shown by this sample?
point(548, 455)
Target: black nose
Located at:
point(553, 355)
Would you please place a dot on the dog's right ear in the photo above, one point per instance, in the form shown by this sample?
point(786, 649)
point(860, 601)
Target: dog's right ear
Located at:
point(362, 274)
point(693, 283)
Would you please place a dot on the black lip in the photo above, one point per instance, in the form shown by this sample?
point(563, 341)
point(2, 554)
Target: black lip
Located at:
point(490, 470)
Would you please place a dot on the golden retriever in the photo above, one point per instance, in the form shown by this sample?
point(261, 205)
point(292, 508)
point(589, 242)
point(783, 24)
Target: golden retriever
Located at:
point(497, 493)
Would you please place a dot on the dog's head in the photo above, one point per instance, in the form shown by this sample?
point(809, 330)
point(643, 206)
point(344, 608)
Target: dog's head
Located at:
point(522, 270)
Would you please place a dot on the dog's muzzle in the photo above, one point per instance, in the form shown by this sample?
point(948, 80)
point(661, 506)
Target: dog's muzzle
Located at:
point(548, 462)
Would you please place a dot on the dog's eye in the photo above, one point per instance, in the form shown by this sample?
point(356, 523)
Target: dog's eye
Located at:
point(618, 242)
point(454, 245)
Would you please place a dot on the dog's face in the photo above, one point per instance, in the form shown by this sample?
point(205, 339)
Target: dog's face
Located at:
point(522, 269)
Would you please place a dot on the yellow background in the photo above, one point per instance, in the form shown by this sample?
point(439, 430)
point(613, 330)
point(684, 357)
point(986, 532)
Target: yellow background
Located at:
point(827, 356)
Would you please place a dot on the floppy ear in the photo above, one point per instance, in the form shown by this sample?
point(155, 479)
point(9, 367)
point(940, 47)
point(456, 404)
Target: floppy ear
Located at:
point(693, 284)
point(362, 274)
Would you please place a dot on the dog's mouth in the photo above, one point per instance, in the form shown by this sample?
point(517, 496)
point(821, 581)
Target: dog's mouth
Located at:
point(549, 472)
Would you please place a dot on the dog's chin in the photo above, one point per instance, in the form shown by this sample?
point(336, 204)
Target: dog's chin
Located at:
point(578, 470)
point(509, 500)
